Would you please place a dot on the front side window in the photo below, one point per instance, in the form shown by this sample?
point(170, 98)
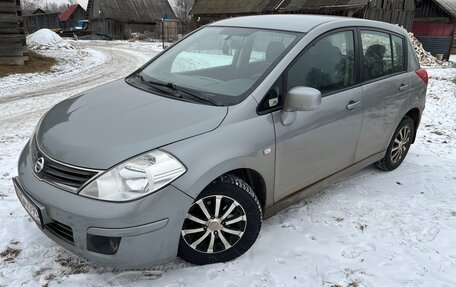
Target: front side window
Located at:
point(273, 98)
point(328, 65)
point(220, 62)
point(377, 56)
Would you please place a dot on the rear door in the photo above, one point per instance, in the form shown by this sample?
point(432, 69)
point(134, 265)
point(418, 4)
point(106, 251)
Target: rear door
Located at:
point(320, 143)
point(385, 88)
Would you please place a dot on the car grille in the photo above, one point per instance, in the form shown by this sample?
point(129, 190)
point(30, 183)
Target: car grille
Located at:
point(61, 175)
point(61, 230)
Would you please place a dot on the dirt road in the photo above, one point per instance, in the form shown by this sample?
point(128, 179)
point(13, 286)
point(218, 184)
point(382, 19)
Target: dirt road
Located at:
point(22, 107)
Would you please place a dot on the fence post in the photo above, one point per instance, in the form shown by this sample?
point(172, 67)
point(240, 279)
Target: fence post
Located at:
point(163, 33)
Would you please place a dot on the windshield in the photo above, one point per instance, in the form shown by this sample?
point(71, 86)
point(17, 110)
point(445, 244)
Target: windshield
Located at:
point(220, 62)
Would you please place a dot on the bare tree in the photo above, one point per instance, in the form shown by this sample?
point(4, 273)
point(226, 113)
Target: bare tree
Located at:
point(29, 6)
point(54, 8)
point(182, 10)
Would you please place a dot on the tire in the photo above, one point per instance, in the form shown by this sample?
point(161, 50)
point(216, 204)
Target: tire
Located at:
point(204, 238)
point(399, 146)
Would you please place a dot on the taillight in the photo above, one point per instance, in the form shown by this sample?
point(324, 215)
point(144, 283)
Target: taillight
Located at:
point(423, 75)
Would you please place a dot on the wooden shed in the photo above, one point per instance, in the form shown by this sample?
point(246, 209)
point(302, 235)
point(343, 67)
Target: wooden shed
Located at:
point(12, 34)
point(207, 11)
point(39, 19)
point(393, 11)
point(120, 18)
point(435, 26)
point(70, 17)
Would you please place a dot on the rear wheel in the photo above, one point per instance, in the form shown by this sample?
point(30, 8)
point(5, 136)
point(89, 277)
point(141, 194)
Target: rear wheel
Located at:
point(222, 224)
point(399, 145)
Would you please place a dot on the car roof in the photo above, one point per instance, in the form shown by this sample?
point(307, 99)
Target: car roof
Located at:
point(297, 23)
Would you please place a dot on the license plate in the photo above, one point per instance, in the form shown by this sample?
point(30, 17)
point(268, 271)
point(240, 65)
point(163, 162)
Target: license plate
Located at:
point(29, 206)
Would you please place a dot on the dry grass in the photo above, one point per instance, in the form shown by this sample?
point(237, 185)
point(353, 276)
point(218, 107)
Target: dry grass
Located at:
point(37, 64)
point(72, 264)
point(10, 254)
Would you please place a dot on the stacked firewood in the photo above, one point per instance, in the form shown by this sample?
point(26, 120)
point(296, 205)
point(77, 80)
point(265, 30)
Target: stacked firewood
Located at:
point(425, 58)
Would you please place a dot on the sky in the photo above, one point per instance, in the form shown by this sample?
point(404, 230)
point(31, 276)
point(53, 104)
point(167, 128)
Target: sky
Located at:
point(83, 3)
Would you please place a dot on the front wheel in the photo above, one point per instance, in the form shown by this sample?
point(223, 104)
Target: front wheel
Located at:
point(222, 224)
point(399, 145)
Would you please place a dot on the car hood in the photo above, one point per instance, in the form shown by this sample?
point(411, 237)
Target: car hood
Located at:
point(116, 121)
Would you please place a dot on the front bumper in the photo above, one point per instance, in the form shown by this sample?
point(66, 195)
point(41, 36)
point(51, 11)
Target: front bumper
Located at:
point(146, 230)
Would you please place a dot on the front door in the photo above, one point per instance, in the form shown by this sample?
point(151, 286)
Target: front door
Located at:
point(320, 143)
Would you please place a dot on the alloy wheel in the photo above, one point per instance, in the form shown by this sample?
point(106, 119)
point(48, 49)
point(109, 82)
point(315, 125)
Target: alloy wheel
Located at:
point(214, 224)
point(400, 144)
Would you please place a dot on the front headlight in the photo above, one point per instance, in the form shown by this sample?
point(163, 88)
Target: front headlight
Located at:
point(136, 177)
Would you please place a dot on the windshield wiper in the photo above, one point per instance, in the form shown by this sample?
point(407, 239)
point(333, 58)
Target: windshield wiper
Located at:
point(159, 86)
point(176, 91)
point(197, 95)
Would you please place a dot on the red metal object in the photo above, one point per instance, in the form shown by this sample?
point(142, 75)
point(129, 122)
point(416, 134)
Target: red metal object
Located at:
point(65, 15)
point(430, 29)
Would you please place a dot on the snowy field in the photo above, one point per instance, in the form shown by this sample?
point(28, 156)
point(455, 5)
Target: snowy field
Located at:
point(371, 229)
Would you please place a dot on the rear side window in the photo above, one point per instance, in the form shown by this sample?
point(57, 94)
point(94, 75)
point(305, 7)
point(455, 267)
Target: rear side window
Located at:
point(327, 66)
point(398, 54)
point(377, 56)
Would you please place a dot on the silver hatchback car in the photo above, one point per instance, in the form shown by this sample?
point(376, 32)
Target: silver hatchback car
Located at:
point(236, 121)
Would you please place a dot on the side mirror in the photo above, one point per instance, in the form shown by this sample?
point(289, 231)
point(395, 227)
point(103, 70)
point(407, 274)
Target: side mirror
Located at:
point(300, 99)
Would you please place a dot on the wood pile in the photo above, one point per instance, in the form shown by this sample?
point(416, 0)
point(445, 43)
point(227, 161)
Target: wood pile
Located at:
point(426, 58)
point(13, 50)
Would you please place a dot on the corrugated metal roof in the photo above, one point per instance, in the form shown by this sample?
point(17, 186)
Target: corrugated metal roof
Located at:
point(228, 7)
point(448, 5)
point(296, 5)
point(256, 6)
point(146, 11)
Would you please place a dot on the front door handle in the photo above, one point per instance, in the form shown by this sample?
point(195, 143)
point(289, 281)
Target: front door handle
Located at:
point(353, 105)
point(403, 87)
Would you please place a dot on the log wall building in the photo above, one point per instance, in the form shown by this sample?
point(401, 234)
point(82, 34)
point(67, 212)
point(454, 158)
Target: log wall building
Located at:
point(12, 35)
point(393, 11)
point(120, 18)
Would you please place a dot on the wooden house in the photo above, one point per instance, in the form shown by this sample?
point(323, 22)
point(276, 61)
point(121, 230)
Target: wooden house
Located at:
point(12, 34)
point(39, 19)
point(393, 11)
point(120, 18)
point(70, 17)
point(435, 26)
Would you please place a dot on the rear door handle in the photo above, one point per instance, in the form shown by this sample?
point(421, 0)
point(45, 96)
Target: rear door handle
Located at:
point(403, 87)
point(353, 105)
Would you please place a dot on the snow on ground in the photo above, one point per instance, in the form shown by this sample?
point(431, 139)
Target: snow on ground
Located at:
point(71, 63)
point(453, 58)
point(371, 229)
